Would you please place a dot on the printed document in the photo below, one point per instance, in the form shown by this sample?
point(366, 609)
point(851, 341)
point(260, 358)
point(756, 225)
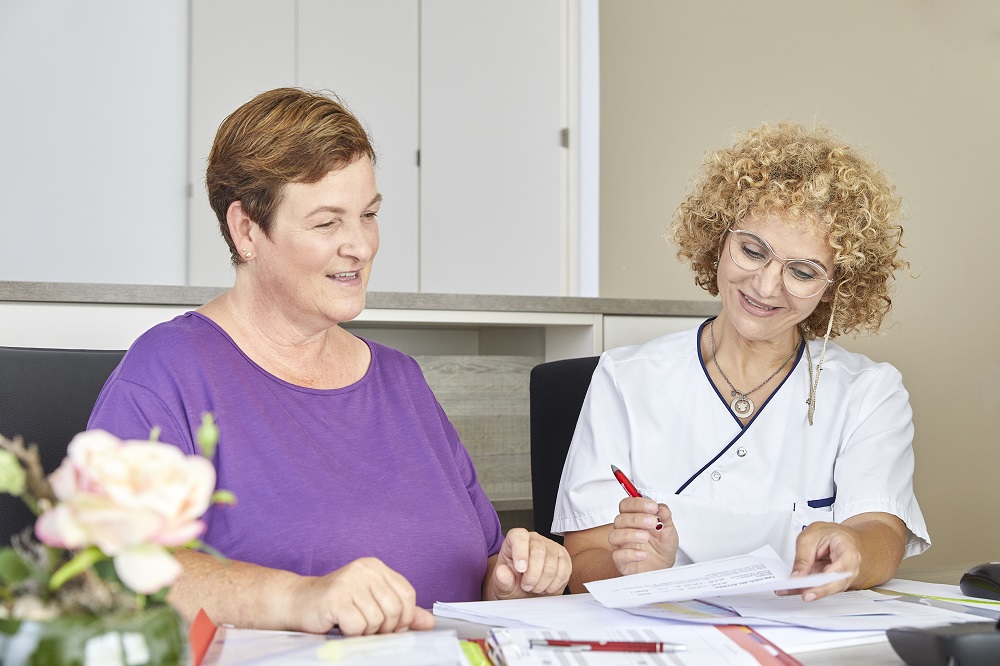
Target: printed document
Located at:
point(760, 571)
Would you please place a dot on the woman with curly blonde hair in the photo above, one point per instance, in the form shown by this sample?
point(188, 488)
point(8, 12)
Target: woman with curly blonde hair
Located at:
point(726, 429)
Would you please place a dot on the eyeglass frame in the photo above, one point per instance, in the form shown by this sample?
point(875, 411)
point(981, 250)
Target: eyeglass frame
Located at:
point(784, 262)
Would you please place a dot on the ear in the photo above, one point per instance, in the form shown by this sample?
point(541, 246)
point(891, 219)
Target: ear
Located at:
point(241, 227)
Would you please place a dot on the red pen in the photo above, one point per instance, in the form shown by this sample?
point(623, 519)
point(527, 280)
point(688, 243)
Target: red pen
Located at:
point(608, 646)
point(630, 489)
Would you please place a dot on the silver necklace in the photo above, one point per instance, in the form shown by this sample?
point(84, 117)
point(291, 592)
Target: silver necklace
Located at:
point(742, 405)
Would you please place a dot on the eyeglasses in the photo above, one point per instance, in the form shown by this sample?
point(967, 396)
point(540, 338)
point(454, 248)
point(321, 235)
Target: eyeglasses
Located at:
point(804, 278)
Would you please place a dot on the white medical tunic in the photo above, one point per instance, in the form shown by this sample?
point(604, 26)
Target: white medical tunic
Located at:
point(653, 412)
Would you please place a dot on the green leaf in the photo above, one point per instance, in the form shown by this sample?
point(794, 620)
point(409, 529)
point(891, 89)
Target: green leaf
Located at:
point(12, 568)
point(205, 548)
point(80, 563)
point(154, 434)
point(208, 435)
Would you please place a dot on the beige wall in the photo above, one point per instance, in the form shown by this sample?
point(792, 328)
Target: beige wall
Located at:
point(917, 84)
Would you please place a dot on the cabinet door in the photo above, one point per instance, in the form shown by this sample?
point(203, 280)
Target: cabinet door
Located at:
point(92, 140)
point(366, 53)
point(490, 119)
point(239, 48)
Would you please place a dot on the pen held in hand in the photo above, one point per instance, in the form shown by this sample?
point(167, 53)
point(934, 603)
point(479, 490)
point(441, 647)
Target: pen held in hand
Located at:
point(607, 646)
point(631, 490)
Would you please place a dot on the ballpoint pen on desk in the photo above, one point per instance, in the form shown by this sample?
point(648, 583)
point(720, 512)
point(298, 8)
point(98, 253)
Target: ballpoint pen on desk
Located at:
point(631, 490)
point(608, 646)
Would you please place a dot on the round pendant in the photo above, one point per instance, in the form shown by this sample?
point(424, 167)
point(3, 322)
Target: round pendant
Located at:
point(742, 406)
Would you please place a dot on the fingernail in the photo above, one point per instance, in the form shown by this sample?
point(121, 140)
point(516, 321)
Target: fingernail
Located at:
point(809, 596)
point(522, 565)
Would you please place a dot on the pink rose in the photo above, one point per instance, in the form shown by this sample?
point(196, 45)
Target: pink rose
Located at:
point(130, 499)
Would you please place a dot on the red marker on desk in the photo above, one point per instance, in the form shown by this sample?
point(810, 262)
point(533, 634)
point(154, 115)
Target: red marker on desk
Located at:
point(630, 489)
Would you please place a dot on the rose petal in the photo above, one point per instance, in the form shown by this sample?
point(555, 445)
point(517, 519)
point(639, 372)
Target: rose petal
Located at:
point(147, 568)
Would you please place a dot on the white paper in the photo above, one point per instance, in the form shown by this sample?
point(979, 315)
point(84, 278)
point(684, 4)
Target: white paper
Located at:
point(232, 647)
point(763, 609)
point(566, 611)
point(759, 571)
point(706, 646)
point(799, 640)
point(938, 591)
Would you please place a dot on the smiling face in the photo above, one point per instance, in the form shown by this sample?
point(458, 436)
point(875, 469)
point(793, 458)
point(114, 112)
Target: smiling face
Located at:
point(315, 264)
point(757, 302)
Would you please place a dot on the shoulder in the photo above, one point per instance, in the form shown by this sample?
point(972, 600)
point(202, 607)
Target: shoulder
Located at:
point(857, 379)
point(189, 329)
point(392, 368)
point(389, 359)
point(187, 341)
point(852, 365)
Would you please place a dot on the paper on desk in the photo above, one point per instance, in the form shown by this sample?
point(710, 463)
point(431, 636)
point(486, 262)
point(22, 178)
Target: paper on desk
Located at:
point(567, 611)
point(706, 646)
point(799, 640)
point(238, 647)
point(859, 610)
point(935, 591)
point(760, 571)
point(761, 609)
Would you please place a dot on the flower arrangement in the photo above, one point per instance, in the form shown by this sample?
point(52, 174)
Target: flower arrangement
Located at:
point(107, 521)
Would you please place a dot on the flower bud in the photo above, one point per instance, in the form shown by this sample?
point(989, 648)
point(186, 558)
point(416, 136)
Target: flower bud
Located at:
point(11, 474)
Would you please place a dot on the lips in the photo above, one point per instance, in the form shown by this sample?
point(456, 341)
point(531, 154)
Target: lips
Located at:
point(346, 276)
point(756, 304)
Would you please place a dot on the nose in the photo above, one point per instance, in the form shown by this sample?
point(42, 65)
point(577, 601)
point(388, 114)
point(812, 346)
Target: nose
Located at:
point(359, 241)
point(771, 278)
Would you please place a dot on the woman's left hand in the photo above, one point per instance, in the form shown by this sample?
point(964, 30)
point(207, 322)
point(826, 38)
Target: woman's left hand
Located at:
point(868, 546)
point(528, 564)
point(826, 548)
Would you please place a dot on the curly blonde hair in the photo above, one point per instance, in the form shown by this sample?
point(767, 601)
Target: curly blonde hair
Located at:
point(807, 176)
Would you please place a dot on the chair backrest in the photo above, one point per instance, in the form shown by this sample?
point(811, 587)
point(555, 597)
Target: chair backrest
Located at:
point(46, 396)
point(557, 390)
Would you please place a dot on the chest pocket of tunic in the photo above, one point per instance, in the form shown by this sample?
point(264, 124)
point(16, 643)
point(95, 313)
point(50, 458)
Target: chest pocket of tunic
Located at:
point(710, 530)
point(805, 515)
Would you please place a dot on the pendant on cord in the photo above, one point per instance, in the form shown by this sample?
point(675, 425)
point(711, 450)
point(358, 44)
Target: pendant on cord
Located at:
point(742, 406)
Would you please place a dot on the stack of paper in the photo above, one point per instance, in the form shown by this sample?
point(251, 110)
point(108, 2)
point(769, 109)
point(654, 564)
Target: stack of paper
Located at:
point(233, 647)
point(737, 591)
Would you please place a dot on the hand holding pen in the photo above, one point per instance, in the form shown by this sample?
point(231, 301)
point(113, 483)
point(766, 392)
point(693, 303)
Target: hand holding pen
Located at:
point(631, 490)
point(637, 544)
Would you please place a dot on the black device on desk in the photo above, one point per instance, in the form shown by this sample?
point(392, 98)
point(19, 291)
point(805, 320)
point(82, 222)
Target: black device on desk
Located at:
point(982, 581)
point(972, 644)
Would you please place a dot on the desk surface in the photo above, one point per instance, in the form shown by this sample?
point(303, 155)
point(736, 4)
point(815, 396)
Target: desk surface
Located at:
point(877, 654)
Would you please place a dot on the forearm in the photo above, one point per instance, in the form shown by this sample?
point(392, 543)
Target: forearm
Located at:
point(881, 542)
point(591, 564)
point(236, 593)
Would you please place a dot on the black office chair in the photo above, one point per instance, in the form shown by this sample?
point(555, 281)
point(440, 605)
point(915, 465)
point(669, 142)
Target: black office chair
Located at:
point(557, 390)
point(46, 396)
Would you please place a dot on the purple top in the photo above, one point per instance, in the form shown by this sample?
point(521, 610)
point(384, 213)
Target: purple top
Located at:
point(321, 477)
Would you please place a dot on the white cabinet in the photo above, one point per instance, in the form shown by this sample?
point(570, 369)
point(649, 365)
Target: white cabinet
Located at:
point(476, 88)
point(491, 185)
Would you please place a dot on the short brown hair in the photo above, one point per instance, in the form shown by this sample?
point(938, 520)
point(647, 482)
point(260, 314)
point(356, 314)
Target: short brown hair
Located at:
point(807, 176)
point(286, 135)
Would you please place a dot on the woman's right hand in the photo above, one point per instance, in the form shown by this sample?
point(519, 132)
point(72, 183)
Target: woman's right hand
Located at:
point(362, 597)
point(636, 544)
